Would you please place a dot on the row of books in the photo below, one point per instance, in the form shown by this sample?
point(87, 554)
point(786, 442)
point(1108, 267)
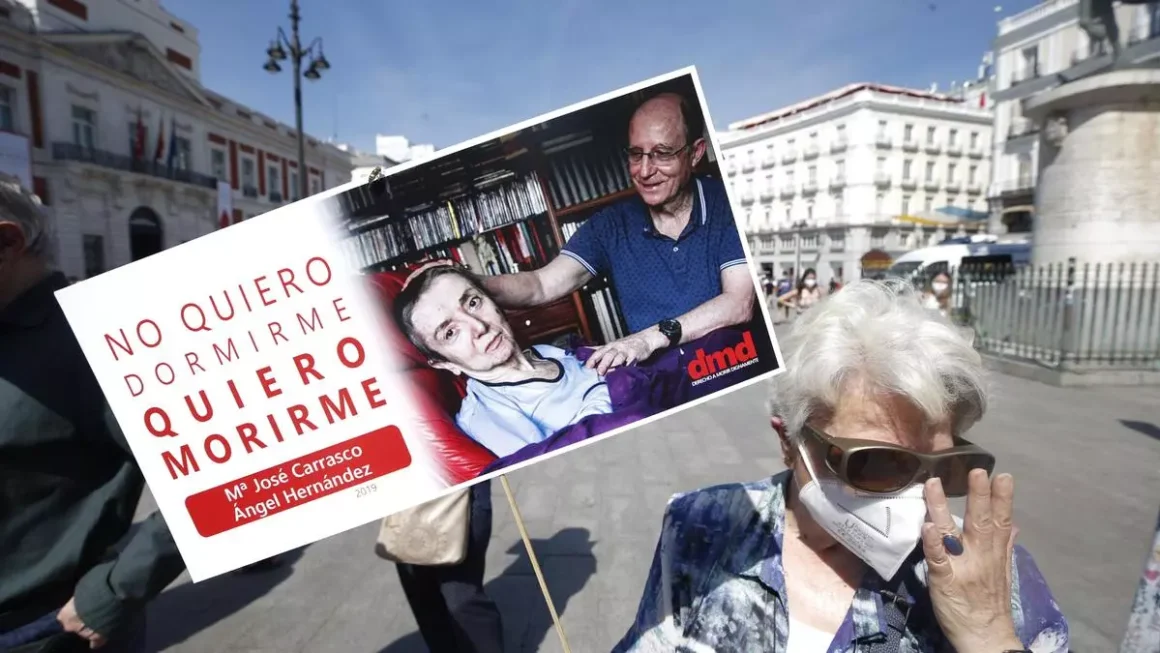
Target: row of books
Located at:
point(600, 302)
point(450, 221)
point(584, 173)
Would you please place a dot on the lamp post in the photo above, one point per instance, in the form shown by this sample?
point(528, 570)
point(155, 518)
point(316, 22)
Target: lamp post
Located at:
point(297, 54)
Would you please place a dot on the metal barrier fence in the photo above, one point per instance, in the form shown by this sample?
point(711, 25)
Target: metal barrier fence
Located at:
point(1066, 315)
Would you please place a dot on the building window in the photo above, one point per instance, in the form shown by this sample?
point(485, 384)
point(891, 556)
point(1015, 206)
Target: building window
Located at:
point(810, 212)
point(974, 140)
point(789, 177)
point(839, 205)
point(840, 168)
point(930, 170)
point(951, 170)
point(1030, 62)
point(841, 133)
point(249, 175)
point(788, 214)
point(953, 137)
point(217, 164)
point(906, 168)
point(813, 174)
point(1024, 170)
point(879, 199)
point(7, 109)
point(84, 124)
point(813, 138)
point(809, 241)
point(881, 165)
point(878, 239)
point(94, 252)
point(972, 174)
point(315, 186)
point(928, 204)
point(181, 150)
point(930, 134)
point(906, 205)
point(274, 179)
point(908, 132)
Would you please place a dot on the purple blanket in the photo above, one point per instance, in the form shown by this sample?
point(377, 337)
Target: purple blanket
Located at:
point(673, 377)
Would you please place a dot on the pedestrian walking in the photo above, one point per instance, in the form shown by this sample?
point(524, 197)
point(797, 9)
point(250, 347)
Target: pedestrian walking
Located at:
point(1143, 634)
point(451, 606)
point(68, 482)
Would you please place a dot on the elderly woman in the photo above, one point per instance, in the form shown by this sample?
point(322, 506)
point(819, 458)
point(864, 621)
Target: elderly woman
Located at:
point(854, 548)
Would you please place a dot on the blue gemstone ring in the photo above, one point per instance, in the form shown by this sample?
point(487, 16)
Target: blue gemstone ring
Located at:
point(953, 545)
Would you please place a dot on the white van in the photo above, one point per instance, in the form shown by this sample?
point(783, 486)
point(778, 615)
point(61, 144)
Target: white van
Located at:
point(921, 264)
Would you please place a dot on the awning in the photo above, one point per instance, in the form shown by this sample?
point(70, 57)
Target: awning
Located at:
point(1022, 208)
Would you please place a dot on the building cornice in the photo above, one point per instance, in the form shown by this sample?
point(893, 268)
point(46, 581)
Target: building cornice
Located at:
point(937, 110)
point(39, 48)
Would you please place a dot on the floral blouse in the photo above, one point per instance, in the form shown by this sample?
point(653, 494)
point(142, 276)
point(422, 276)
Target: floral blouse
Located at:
point(717, 584)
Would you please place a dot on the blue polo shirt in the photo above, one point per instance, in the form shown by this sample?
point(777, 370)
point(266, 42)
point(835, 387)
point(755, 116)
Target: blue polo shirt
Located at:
point(657, 277)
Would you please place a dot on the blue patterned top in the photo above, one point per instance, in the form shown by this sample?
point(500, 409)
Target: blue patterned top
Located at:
point(717, 584)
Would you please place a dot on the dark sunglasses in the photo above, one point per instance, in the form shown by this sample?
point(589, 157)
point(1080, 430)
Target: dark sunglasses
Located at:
point(881, 468)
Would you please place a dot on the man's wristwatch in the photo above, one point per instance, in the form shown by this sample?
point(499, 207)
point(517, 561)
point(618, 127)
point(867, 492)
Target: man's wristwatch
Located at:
point(670, 329)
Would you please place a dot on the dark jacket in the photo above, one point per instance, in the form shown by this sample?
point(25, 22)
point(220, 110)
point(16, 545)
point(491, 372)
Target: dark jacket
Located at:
point(68, 483)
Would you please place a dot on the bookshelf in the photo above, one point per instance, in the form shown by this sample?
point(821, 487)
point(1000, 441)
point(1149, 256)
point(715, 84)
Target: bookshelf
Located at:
point(506, 205)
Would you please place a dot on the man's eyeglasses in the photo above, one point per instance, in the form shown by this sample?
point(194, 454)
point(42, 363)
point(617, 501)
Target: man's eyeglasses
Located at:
point(660, 156)
point(881, 468)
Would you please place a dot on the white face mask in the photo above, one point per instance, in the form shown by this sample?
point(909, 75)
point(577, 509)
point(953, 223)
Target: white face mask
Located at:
point(938, 288)
point(810, 283)
point(880, 529)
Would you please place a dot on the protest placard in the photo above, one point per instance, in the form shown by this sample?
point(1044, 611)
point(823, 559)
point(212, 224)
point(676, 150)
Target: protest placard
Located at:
point(358, 353)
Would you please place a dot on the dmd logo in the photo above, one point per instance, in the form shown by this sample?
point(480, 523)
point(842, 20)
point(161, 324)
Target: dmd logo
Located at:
point(710, 366)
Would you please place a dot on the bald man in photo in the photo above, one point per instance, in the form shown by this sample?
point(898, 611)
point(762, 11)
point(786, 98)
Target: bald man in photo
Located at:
point(672, 253)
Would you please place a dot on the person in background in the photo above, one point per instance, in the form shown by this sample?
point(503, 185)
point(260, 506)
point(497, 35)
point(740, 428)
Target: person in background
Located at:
point(1143, 633)
point(672, 252)
point(854, 546)
point(937, 295)
point(784, 287)
point(805, 295)
point(68, 482)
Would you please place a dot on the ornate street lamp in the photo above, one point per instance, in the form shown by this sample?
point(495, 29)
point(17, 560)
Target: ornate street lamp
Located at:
point(297, 54)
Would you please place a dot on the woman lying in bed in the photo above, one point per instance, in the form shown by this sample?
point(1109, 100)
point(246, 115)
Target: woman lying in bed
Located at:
point(514, 397)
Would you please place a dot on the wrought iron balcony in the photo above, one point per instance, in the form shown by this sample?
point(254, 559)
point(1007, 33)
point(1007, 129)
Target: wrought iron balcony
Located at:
point(908, 183)
point(789, 155)
point(882, 179)
point(810, 152)
point(910, 145)
point(837, 181)
point(82, 154)
point(838, 145)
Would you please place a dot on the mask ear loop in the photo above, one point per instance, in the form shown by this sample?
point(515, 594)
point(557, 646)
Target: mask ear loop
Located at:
point(807, 459)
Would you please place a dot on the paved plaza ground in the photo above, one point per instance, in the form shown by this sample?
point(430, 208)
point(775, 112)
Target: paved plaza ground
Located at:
point(1088, 489)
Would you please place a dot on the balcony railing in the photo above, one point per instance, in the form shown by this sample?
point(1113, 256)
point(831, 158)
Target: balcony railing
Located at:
point(882, 179)
point(810, 188)
point(810, 152)
point(909, 145)
point(837, 181)
point(768, 161)
point(731, 169)
point(976, 151)
point(250, 191)
point(955, 149)
point(1026, 74)
point(931, 183)
point(1019, 185)
point(747, 197)
point(789, 156)
point(838, 145)
point(974, 187)
point(932, 147)
point(787, 191)
point(748, 165)
point(883, 141)
point(82, 154)
point(767, 194)
point(908, 183)
point(954, 186)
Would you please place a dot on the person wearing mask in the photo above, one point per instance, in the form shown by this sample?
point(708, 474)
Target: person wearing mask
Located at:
point(805, 295)
point(937, 295)
point(854, 546)
point(68, 482)
point(672, 253)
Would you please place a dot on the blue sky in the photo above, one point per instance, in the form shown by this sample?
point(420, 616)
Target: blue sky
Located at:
point(445, 71)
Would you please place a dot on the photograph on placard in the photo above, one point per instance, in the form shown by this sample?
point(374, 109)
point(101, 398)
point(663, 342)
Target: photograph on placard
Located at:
point(566, 278)
point(385, 344)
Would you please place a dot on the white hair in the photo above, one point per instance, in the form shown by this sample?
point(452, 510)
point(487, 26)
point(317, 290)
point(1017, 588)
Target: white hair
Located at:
point(19, 205)
point(879, 334)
